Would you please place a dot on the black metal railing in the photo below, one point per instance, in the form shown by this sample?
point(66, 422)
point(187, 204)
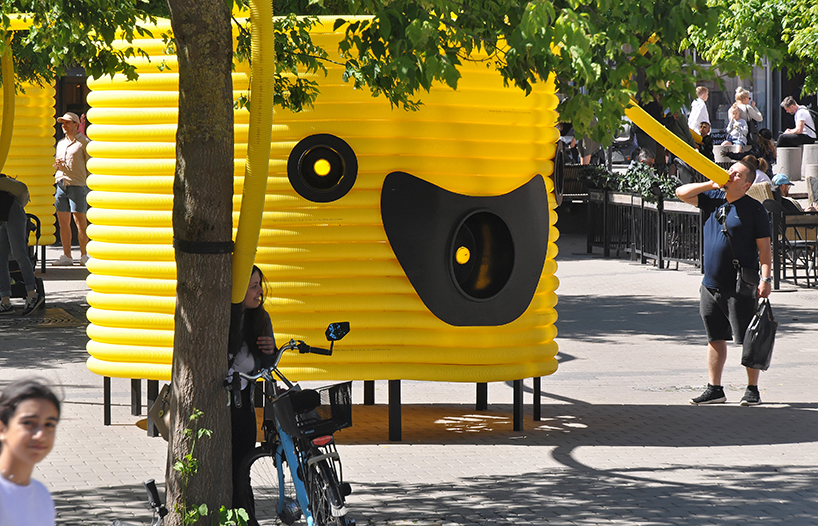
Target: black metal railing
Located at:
point(667, 231)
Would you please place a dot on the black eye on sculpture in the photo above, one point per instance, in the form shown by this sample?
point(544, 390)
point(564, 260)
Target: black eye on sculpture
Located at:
point(482, 255)
point(322, 168)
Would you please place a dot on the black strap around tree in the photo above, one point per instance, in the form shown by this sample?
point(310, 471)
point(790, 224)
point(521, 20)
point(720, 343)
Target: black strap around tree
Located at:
point(203, 247)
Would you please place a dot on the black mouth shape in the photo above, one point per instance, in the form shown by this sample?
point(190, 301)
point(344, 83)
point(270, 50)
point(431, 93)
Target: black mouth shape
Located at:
point(474, 261)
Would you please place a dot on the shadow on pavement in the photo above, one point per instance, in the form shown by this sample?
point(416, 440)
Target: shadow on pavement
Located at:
point(572, 425)
point(665, 319)
point(94, 507)
point(43, 349)
point(576, 493)
point(588, 496)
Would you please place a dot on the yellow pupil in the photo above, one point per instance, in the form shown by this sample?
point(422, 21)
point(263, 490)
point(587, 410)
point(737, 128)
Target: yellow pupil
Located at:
point(462, 255)
point(321, 167)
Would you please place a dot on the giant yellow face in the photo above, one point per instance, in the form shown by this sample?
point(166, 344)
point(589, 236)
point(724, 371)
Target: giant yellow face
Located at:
point(431, 232)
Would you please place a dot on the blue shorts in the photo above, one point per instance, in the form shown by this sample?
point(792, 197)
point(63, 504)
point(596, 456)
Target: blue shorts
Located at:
point(71, 198)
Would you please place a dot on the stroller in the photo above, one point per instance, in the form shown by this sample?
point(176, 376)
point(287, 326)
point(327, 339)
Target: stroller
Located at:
point(624, 146)
point(18, 287)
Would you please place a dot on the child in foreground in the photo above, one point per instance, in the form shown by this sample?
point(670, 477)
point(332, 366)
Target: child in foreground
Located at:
point(29, 413)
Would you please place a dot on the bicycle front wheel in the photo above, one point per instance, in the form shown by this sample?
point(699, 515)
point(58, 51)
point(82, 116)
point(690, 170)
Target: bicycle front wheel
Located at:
point(325, 494)
point(261, 496)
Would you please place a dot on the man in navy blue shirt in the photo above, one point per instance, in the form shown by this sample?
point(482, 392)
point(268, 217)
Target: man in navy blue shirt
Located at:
point(736, 237)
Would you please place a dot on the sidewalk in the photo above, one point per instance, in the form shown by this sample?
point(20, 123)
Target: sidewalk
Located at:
point(618, 442)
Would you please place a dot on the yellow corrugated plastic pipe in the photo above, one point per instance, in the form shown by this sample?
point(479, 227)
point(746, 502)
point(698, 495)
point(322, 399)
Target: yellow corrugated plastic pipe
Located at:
point(262, 85)
point(7, 65)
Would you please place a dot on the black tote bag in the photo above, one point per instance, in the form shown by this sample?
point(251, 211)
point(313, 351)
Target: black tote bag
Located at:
point(760, 338)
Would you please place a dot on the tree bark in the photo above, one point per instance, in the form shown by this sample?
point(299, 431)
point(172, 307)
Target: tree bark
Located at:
point(202, 214)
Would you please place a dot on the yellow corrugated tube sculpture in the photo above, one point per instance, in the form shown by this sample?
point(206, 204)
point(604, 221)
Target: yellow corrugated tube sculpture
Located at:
point(431, 232)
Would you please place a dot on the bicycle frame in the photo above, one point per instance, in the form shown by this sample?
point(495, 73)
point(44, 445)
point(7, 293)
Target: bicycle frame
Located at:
point(284, 443)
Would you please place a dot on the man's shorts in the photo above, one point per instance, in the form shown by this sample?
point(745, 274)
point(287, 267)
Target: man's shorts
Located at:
point(71, 198)
point(726, 316)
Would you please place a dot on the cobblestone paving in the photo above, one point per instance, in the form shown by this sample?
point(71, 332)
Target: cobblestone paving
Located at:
point(617, 444)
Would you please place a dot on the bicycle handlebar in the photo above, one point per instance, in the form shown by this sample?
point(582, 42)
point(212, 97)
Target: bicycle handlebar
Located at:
point(153, 498)
point(232, 383)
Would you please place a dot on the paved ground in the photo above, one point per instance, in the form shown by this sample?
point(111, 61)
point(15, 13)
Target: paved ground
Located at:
point(618, 442)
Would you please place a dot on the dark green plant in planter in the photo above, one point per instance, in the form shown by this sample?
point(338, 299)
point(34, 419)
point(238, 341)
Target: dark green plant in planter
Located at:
point(650, 184)
point(639, 179)
point(598, 177)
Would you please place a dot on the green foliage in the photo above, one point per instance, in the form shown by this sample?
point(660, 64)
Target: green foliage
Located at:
point(187, 467)
point(81, 32)
point(410, 45)
point(237, 517)
point(296, 56)
point(785, 32)
point(639, 179)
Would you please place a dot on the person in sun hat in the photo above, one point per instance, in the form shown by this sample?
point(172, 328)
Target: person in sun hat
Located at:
point(71, 187)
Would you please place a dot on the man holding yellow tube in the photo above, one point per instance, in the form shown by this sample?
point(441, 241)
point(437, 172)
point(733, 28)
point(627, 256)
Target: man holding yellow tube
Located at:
point(71, 187)
point(736, 240)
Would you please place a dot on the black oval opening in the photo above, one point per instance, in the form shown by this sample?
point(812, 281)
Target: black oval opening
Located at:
point(322, 168)
point(481, 255)
point(559, 172)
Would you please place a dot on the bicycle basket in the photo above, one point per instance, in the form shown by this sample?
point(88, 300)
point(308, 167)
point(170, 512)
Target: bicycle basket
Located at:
point(334, 411)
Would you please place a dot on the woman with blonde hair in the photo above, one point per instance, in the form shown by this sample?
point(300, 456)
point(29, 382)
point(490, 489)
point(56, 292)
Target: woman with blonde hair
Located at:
point(749, 112)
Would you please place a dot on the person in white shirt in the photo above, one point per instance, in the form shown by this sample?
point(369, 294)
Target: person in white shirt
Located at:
point(698, 110)
point(804, 131)
point(29, 413)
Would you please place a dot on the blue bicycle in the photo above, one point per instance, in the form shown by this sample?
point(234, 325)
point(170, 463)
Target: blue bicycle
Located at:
point(298, 428)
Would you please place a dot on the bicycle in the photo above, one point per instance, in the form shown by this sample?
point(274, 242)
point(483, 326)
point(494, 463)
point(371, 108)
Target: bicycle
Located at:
point(159, 510)
point(298, 431)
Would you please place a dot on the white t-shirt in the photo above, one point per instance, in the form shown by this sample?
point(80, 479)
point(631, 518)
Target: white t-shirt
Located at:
point(698, 115)
point(244, 362)
point(803, 114)
point(25, 505)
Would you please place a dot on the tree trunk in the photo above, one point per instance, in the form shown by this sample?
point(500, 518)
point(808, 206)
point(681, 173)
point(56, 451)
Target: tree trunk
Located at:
point(202, 219)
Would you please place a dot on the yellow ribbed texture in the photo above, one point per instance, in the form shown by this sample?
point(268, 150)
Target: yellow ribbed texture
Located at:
point(31, 153)
point(324, 262)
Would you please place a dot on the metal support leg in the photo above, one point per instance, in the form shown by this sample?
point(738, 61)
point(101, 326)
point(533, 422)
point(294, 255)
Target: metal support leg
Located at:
point(136, 396)
point(369, 392)
point(537, 399)
point(153, 394)
point(518, 405)
point(482, 397)
point(106, 400)
point(394, 411)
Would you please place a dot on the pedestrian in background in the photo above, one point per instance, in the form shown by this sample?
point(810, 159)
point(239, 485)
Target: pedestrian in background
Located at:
point(706, 146)
point(748, 111)
point(737, 128)
point(14, 240)
point(71, 187)
point(698, 110)
point(804, 131)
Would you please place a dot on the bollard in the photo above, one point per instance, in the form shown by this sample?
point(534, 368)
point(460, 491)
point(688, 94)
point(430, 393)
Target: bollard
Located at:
point(809, 158)
point(789, 162)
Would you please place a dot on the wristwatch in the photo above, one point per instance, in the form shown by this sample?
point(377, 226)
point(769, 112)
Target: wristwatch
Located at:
point(767, 280)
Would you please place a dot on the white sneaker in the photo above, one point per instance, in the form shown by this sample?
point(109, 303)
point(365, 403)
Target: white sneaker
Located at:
point(84, 259)
point(63, 261)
